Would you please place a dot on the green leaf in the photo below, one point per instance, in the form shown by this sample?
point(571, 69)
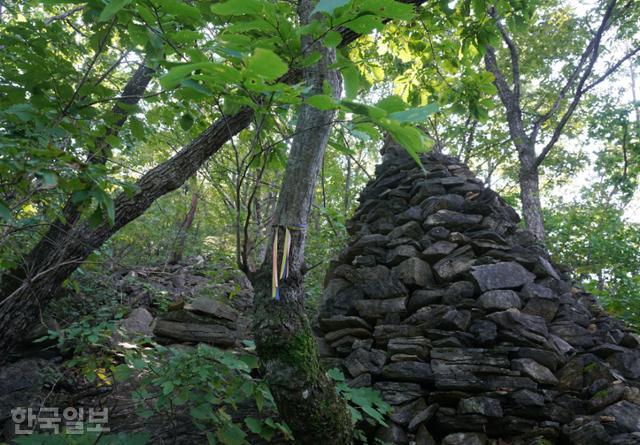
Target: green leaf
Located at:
point(254, 425)
point(122, 372)
point(336, 375)
point(186, 121)
point(231, 434)
point(5, 211)
point(110, 209)
point(312, 58)
point(112, 9)
point(137, 127)
point(364, 24)
point(341, 148)
point(410, 138)
point(185, 36)
point(221, 74)
point(479, 8)
point(322, 102)
point(390, 9)
point(417, 115)
point(332, 39)
point(328, 6)
point(351, 77)
point(79, 196)
point(237, 7)
point(365, 131)
point(181, 10)
point(49, 179)
point(24, 112)
point(200, 412)
point(266, 64)
point(392, 104)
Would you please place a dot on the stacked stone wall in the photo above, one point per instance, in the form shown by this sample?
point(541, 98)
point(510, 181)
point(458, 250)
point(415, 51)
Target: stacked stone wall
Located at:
point(459, 318)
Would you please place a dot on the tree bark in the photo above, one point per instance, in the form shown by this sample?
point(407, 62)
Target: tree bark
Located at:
point(306, 398)
point(26, 290)
point(530, 192)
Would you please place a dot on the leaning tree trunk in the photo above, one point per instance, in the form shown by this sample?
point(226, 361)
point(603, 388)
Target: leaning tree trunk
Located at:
point(529, 179)
point(306, 398)
point(26, 290)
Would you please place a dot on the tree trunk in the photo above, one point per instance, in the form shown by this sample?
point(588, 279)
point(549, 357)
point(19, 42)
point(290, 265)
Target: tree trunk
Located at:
point(181, 238)
point(530, 192)
point(306, 398)
point(27, 289)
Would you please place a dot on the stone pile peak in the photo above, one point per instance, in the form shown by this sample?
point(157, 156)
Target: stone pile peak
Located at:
point(443, 303)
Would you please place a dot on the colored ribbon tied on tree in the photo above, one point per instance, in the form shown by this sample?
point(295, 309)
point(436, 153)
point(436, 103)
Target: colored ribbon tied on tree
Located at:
point(284, 266)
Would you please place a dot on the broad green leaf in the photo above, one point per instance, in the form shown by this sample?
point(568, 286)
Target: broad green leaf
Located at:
point(328, 6)
point(186, 121)
point(416, 115)
point(351, 77)
point(5, 211)
point(237, 7)
point(340, 148)
point(392, 104)
point(389, 8)
point(332, 39)
point(479, 8)
point(79, 196)
point(254, 425)
point(200, 412)
point(181, 10)
point(221, 74)
point(364, 24)
point(231, 434)
point(137, 127)
point(110, 209)
point(185, 36)
point(364, 110)
point(112, 9)
point(191, 89)
point(410, 138)
point(25, 112)
point(336, 375)
point(49, 179)
point(266, 64)
point(312, 58)
point(367, 129)
point(322, 102)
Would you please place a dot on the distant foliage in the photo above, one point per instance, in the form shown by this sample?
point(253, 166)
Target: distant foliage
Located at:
point(603, 252)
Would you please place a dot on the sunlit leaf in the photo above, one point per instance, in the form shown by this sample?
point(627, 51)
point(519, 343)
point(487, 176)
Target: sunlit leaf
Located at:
point(416, 115)
point(266, 64)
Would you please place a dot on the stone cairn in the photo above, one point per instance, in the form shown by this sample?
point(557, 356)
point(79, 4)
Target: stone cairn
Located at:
point(449, 309)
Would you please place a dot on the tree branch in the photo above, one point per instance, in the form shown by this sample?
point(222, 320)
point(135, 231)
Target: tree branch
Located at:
point(515, 61)
point(593, 50)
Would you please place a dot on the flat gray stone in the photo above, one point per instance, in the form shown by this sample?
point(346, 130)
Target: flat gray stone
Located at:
point(506, 275)
point(500, 300)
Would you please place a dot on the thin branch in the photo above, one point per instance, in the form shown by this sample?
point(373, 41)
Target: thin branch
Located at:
point(595, 44)
point(515, 61)
point(588, 53)
point(63, 15)
point(611, 69)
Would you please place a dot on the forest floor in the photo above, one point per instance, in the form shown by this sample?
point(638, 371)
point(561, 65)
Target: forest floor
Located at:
point(105, 325)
